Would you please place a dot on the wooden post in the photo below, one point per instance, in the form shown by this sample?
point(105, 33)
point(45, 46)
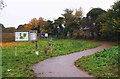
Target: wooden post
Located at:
point(15, 49)
point(36, 45)
point(50, 44)
point(33, 37)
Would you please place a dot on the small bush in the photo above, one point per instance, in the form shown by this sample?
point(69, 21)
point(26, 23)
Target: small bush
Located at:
point(46, 49)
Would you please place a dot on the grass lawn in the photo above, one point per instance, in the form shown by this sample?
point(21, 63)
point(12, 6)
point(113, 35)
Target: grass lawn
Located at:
point(20, 66)
point(101, 64)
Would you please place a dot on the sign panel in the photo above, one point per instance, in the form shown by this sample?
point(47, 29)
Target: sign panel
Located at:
point(32, 35)
point(44, 35)
point(21, 36)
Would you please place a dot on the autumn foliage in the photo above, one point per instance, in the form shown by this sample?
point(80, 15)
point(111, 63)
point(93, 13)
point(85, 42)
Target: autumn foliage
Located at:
point(11, 44)
point(35, 23)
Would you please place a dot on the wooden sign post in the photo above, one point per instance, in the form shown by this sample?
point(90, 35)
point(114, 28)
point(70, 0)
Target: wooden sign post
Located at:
point(50, 44)
point(19, 37)
point(33, 37)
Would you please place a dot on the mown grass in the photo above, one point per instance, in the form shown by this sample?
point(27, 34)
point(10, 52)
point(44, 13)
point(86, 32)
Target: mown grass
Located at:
point(20, 66)
point(102, 64)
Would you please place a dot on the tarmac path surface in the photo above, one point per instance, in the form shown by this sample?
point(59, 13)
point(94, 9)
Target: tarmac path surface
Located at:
point(63, 66)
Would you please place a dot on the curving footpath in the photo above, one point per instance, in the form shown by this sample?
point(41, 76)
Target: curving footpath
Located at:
point(63, 66)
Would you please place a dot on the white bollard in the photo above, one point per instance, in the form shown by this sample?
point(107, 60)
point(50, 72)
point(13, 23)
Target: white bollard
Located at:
point(37, 53)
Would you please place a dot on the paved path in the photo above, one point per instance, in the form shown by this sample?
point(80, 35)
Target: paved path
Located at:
point(63, 66)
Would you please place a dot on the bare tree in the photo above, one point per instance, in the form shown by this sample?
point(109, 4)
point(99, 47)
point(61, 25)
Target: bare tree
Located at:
point(2, 5)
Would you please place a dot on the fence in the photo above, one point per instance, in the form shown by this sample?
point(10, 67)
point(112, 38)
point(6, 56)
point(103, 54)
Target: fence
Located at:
point(8, 37)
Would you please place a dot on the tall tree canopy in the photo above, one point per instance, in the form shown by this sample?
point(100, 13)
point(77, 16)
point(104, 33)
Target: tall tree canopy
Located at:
point(72, 21)
point(94, 13)
point(110, 22)
point(92, 16)
point(21, 28)
point(35, 24)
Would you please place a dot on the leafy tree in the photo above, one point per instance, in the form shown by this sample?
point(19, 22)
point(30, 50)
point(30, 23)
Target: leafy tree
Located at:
point(94, 13)
point(49, 27)
point(92, 16)
point(85, 22)
point(72, 21)
point(36, 24)
point(115, 13)
point(59, 22)
point(79, 13)
point(68, 14)
point(68, 18)
point(9, 30)
point(58, 27)
point(110, 26)
point(28, 27)
point(41, 24)
point(78, 16)
point(21, 28)
point(31, 25)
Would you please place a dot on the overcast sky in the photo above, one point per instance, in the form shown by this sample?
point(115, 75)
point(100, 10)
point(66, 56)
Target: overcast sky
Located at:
point(22, 11)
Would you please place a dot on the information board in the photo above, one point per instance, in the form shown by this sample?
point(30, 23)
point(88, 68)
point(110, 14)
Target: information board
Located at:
point(32, 35)
point(21, 36)
point(44, 35)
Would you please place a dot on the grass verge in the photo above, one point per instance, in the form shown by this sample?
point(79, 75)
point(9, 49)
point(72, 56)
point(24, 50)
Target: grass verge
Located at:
point(101, 64)
point(20, 66)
